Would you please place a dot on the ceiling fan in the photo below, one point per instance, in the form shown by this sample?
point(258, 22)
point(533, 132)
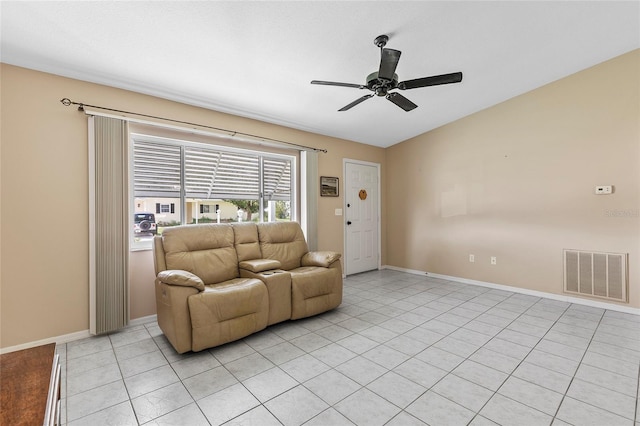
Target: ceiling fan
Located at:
point(384, 80)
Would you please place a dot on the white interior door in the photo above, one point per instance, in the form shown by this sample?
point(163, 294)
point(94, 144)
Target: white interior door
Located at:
point(362, 221)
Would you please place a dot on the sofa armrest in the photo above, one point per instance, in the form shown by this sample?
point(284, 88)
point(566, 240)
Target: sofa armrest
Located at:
point(181, 278)
point(320, 258)
point(259, 265)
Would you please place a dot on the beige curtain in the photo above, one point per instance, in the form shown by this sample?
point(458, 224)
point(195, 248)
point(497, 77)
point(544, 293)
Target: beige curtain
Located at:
point(310, 183)
point(108, 224)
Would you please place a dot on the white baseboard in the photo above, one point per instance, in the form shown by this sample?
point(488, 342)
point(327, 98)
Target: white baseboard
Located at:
point(559, 297)
point(143, 320)
point(66, 338)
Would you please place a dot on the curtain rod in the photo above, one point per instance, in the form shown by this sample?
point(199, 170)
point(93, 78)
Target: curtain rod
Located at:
point(232, 133)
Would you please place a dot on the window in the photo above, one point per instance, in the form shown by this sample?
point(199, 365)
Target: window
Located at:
point(185, 182)
point(165, 208)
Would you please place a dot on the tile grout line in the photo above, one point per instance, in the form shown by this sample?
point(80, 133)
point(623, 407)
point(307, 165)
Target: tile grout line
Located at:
point(181, 382)
point(596, 367)
point(578, 367)
point(463, 301)
point(130, 400)
point(636, 419)
point(519, 363)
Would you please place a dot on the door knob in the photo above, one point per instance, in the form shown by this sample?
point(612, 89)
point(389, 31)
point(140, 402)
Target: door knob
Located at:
point(348, 222)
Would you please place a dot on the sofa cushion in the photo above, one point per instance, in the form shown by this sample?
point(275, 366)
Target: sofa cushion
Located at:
point(228, 311)
point(246, 241)
point(204, 250)
point(314, 289)
point(282, 241)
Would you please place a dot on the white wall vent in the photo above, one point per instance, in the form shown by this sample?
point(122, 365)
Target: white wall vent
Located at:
point(596, 274)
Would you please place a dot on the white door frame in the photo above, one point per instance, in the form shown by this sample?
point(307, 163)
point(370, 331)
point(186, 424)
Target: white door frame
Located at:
point(344, 208)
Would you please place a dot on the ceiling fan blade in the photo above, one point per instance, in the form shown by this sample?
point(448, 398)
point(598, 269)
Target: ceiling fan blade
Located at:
point(435, 80)
point(388, 63)
point(334, 83)
point(356, 102)
point(401, 101)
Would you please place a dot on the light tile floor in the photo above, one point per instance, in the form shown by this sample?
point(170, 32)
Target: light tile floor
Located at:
point(401, 350)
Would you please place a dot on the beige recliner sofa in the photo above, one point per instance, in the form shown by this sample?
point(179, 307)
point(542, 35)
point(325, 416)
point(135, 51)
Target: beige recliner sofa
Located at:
point(217, 283)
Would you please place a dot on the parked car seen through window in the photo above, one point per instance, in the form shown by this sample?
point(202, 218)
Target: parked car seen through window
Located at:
point(144, 223)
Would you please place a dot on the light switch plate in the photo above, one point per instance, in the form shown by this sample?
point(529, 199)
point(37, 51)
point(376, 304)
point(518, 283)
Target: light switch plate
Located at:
point(338, 212)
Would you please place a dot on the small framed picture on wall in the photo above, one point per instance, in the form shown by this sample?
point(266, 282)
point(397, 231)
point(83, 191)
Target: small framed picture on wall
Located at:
point(328, 186)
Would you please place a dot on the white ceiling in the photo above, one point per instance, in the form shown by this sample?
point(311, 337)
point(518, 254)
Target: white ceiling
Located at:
point(256, 59)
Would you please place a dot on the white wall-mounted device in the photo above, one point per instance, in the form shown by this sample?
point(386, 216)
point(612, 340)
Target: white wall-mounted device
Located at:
point(603, 189)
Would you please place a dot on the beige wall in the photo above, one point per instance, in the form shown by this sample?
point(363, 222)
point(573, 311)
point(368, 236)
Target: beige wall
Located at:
point(44, 276)
point(516, 181)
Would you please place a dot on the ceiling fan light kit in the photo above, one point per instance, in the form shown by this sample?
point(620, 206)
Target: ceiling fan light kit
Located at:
point(384, 80)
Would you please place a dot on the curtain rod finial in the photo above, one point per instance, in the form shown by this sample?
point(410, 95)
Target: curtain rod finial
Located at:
point(65, 101)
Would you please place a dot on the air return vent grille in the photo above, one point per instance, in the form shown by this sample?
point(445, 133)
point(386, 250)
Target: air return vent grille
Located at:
point(596, 274)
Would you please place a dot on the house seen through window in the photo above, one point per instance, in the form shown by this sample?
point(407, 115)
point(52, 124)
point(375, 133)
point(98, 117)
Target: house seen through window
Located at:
point(177, 182)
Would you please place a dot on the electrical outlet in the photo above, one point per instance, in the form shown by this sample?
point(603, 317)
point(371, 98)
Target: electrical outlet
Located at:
point(472, 258)
point(494, 260)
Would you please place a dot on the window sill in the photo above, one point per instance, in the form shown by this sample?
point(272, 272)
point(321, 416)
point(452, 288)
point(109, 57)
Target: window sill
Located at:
point(140, 247)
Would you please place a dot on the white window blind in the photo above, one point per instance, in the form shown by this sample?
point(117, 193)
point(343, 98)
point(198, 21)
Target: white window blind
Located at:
point(277, 179)
point(208, 173)
point(218, 174)
point(156, 169)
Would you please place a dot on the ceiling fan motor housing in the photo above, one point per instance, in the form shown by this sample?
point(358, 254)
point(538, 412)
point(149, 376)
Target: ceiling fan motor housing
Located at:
point(381, 86)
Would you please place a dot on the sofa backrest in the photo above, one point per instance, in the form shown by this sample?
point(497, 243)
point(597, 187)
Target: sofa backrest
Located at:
point(206, 250)
point(246, 241)
point(212, 251)
point(282, 241)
